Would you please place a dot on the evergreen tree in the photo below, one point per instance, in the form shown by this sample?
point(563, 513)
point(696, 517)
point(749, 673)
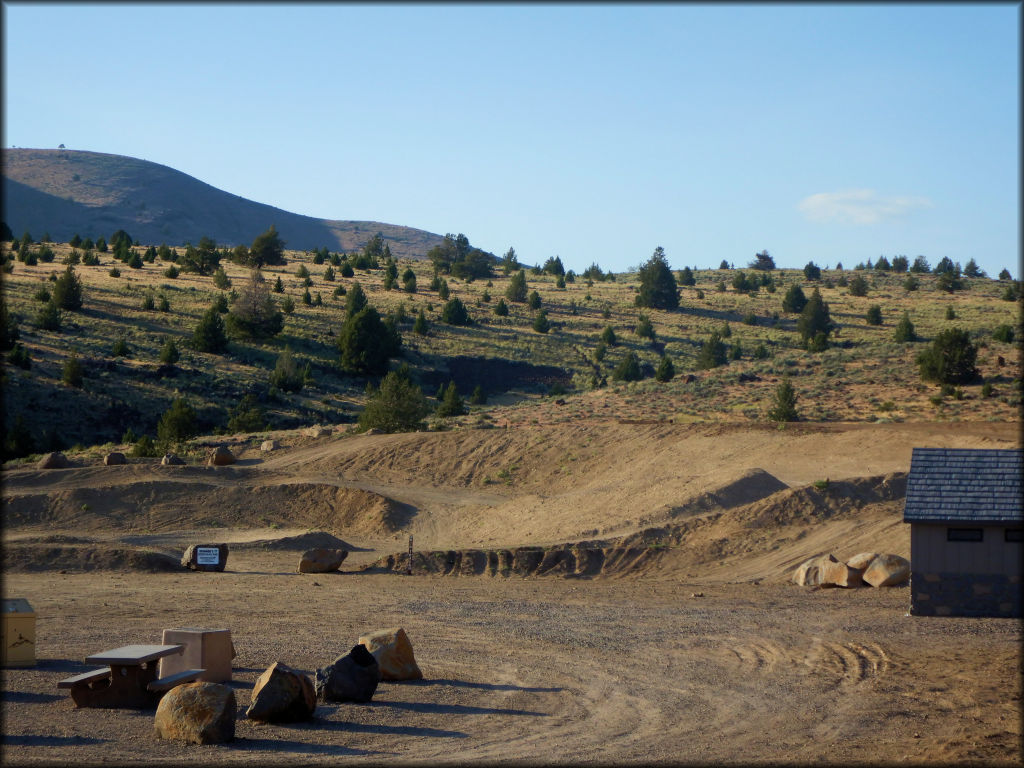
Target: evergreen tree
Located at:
point(254, 314)
point(479, 397)
point(49, 317)
point(541, 324)
point(874, 315)
point(177, 424)
point(67, 291)
point(442, 290)
point(169, 354)
point(712, 353)
point(209, 335)
point(900, 264)
point(1004, 274)
point(814, 318)
point(905, 329)
point(858, 286)
point(409, 280)
point(657, 285)
point(666, 370)
point(920, 266)
point(533, 300)
point(501, 308)
point(420, 326)
point(247, 416)
point(71, 373)
point(686, 277)
point(398, 406)
point(794, 301)
point(516, 290)
point(286, 375)
point(454, 312)
point(950, 358)
point(762, 261)
point(222, 281)
point(366, 343)
point(644, 328)
point(451, 403)
point(266, 249)
point(811, 272)
point(628, 368)
point(608, 336)
point(784, 407)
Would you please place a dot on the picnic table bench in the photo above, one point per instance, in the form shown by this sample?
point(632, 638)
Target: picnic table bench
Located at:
point(129, 680)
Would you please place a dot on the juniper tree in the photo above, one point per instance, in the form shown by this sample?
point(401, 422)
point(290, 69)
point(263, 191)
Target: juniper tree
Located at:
point(628, 368)
point(254, 314)
point(67, 291)
point(533, 300)
point(286, 375)
point(454, 312)
point(666, 370)
point(209, 334)
point(950, 358)
point(398, 406)
point(905, 330)
point(451, 402)
point(814, 319)
point(419, 327)
point(169, 352)
point(658, 288)
point(874, 315)
point(177, 423)
point(712, 353)
point(784, 404)
point(516, 290)
point(366, 343)
point(794, 301)
point(541, 324)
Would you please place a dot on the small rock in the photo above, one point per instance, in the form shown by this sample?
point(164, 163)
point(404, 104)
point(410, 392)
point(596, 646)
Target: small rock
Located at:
point(269, 445)
point(282, 695)
point(54, 460)
point(352, 677)
point(393, 651)
point(171, 459)
point(220, 457)
point(114, 458)
point(322, 560)
point(198, 713)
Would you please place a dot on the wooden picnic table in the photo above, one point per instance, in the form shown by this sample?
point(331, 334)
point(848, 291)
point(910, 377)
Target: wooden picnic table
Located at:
point(129, 680)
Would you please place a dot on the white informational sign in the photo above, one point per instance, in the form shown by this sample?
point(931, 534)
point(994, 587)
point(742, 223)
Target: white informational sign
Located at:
point(207, 555)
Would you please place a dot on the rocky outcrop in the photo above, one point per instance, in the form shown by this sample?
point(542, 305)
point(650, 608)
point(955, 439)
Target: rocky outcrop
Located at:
point(887, 571)
point(316, 431)
point(393, 651)
point(861, 561)
point(198, 713)
point(321, 560)
point(54, 460)
point(282, 695)
point(114, 458)
point(352, 677)
point(220, 457)
point(205, 557)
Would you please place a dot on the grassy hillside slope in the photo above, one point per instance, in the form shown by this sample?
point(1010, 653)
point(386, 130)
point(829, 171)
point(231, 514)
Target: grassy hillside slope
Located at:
point(64, 192)
point(528, 377)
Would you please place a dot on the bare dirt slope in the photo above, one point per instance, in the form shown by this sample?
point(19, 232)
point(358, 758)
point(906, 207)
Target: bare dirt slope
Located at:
point(687, 642)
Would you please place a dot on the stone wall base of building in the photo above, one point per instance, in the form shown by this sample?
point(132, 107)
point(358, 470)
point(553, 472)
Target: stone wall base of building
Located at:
point(957, 594)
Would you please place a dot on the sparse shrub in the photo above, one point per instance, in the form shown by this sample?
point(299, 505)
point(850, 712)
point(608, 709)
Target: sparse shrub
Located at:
point(163, 305)
point(950, 312)
point(398, 406)
point(858, 286)
point(735, 351)
point(43, 294)
point(223, 282)
point(644, 328)
point(171, 272)
point(145, 447)
point(302, 272)
point(220, 303)
point(750, 319)
point(247, 416)
point(169, 355)
point(600, 351)
point(479, 397)
point(419, 327)
point(148, 302)
point(608, 336)
point(286, 375)
point(1003, 333)
point(49, 318)
point(288, 305)
point(306, 298)
point(986, 389)
point(115, 272)
point(120, 348)
point(760, 352)
point(177, 424)
point(19, 357)
point(90, 259)
point(72, 373)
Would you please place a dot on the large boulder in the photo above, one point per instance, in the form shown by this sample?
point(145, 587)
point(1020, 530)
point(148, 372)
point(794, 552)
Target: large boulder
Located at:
point(809, 572)
point(199, 713)
point(887, 571)
point(54, 460)
point(393, 651)
point(269, 445)
point(282, 695)
point(321, 560)
point(114, 458)
point(352, 677)
point(316, 431)
point(861, 561)
point(205, 557)
point(839, 575)
point(220, 457)
point(171, 460)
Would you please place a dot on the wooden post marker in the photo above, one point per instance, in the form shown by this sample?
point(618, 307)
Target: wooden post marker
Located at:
point(408, 564)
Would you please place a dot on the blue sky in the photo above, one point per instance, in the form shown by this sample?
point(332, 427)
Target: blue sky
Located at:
point(592, 132)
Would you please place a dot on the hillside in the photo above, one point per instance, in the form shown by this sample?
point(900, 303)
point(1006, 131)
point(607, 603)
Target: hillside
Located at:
point(527, 377)
point(65, 192)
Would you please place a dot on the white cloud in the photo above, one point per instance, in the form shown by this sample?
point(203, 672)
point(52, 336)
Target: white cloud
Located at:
point(858, 206)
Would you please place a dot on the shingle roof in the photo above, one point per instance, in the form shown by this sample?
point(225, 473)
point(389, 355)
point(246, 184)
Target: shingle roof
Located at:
point(964, 485)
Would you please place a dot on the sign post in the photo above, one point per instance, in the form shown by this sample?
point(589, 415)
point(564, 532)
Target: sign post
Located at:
point(408, 563)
